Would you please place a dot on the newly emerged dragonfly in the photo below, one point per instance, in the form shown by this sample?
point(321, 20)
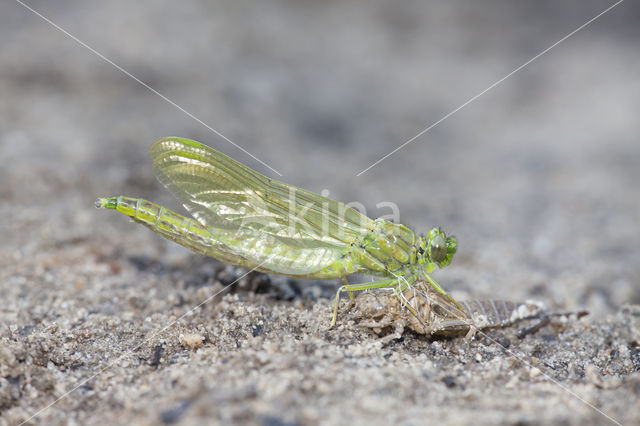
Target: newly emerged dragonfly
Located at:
point(244, 218)
point(426, 311)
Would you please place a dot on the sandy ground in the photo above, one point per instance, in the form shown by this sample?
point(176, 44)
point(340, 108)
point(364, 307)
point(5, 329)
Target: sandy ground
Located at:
point(537, 178)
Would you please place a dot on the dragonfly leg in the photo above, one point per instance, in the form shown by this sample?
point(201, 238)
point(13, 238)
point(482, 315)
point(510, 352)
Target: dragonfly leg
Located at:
point(346, 283)
point(350, 288)
point(406, 304)
point(442, 291)
point(403, 285)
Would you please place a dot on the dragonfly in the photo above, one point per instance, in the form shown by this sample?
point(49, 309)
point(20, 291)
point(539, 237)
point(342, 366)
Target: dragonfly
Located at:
point(427, 312)
point(244, 218)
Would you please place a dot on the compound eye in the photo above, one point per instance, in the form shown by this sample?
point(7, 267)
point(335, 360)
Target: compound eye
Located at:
point(438, 249)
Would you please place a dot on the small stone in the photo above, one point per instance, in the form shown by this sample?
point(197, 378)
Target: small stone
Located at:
point(192, 340)
point(595, 377)
point(449, 381)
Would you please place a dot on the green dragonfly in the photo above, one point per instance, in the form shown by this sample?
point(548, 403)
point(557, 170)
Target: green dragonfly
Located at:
point(247, 219)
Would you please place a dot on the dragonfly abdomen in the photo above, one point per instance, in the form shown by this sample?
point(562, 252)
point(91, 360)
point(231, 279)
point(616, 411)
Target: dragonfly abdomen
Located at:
point(165, 222)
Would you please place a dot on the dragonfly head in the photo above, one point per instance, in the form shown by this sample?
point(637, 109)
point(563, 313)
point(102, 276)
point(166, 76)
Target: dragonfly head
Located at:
point(439, 248)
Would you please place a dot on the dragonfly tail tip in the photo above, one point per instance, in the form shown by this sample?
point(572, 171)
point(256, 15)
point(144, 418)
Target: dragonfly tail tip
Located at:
point(104, 203)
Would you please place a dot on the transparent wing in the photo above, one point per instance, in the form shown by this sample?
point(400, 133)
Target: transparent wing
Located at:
point(285, 229)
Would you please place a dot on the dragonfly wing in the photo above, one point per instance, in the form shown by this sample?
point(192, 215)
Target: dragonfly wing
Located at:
point(283, 228)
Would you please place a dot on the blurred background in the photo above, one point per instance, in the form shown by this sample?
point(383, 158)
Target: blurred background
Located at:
point(538, 178)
